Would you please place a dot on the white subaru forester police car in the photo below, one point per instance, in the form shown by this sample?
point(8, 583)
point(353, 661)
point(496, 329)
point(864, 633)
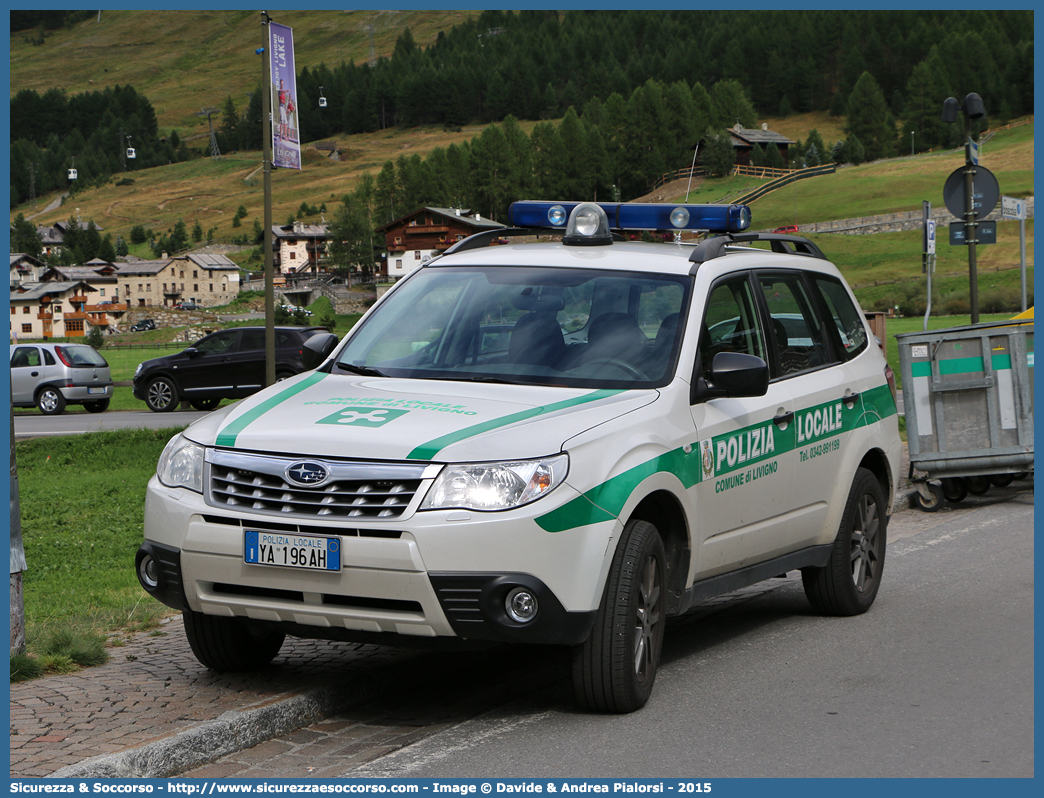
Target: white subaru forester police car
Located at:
point(556, 442)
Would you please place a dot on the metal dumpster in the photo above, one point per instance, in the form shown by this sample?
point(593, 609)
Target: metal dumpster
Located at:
point(968, 399)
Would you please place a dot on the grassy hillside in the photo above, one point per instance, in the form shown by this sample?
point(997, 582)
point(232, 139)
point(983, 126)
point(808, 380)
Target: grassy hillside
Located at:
point(182, 60)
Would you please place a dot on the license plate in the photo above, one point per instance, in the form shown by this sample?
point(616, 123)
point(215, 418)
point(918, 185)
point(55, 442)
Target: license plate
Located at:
point(95, 390)
point(290, 550)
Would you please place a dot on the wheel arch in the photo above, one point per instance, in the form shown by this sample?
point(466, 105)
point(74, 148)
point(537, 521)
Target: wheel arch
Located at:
point(876, 462)
point(662, 509)
point(43, 387)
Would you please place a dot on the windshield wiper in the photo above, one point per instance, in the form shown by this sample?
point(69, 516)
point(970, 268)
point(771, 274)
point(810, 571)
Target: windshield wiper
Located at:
point(366, 371)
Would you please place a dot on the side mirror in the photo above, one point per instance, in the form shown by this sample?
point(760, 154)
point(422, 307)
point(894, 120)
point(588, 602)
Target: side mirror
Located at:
point(192, 352)
point(732, 374)
point(317, 348)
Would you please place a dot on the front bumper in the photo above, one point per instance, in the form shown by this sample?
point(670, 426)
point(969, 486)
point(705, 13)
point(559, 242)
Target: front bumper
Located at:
point(422, 576)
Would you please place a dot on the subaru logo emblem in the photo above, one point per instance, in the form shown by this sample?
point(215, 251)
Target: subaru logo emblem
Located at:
point(307, 474)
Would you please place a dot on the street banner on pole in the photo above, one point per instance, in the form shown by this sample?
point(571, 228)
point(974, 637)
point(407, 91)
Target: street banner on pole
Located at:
point(286, 135)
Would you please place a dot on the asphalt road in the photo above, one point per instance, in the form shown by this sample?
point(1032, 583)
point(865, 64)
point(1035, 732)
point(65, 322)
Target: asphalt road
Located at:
point(37, 425)
point(935, 681)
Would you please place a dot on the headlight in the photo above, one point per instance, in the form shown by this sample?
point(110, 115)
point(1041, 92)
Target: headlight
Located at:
point(495, 486)
point(181, 464)
point(137, 371)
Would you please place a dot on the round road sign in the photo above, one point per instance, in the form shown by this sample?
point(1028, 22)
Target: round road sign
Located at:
point(985, 192)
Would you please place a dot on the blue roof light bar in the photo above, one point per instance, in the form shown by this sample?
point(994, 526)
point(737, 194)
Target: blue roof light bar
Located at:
point(637, 216)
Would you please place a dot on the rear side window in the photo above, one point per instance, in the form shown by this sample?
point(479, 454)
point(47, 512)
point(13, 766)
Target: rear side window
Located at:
point(253, 339)
point(846, 316)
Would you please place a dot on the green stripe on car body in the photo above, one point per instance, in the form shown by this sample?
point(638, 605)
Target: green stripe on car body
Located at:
point(747, 447)
point(228, 435)
point(427, 451)
point(604, 502)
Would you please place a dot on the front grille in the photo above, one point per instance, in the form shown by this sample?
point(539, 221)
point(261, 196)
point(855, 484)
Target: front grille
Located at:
point(353, 490)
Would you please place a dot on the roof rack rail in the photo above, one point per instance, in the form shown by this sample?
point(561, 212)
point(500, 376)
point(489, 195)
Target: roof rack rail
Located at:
point(791, 245)
point(484, 238)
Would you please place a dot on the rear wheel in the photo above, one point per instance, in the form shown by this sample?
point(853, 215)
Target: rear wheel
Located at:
point(50, 401)
point(161, 395)
point(614, 669)
point(848, 583)
point(1001, 480)
point(978, 485)
point(229, 644)
point(99, 406)
point(954, 489)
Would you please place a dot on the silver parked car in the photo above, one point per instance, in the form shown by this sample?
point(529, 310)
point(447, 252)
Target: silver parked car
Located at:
point(50, 376)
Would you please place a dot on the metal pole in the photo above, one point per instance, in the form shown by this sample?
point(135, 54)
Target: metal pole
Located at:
point(1022, 258)
point(692, 168)
point(266, 155)
point(17, 556)
point(971, 226)
point(929, 256)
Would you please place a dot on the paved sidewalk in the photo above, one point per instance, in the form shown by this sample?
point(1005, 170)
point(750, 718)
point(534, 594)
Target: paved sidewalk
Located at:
point(154, 711)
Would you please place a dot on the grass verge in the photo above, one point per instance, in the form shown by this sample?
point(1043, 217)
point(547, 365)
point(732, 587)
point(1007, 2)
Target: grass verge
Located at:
point(82, 514)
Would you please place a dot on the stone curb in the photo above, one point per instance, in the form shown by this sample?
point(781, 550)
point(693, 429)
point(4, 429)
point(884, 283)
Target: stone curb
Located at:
point(231, 732)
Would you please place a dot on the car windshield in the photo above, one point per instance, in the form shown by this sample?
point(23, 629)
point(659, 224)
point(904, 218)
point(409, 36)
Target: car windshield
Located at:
point(569, 327)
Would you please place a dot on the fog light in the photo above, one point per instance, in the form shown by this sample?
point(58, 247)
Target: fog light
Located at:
point(148, 573)
point(521, 605)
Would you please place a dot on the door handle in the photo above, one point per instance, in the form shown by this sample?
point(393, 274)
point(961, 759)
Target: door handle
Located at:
point(783, 418)
point(34, 374)
point(850, 399)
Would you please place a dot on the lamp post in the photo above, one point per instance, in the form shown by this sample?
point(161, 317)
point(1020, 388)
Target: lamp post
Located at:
point(973, 108)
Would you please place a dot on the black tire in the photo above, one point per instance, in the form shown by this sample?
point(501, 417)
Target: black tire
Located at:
point(980, 485)
point(161, 395)
point(50, 401)
point(615, 668)
point(935, 503)
point(283, 375)
point(954, 490)
point(1001, 480)
point(99, 406)
point(848, 583)
point(229, 644)
point(205, 404)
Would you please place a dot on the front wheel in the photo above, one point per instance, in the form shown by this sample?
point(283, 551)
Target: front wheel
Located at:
point(848, 583)
point(161, 395)
point(229, 644)
point(50, 401)
point(614, 669)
